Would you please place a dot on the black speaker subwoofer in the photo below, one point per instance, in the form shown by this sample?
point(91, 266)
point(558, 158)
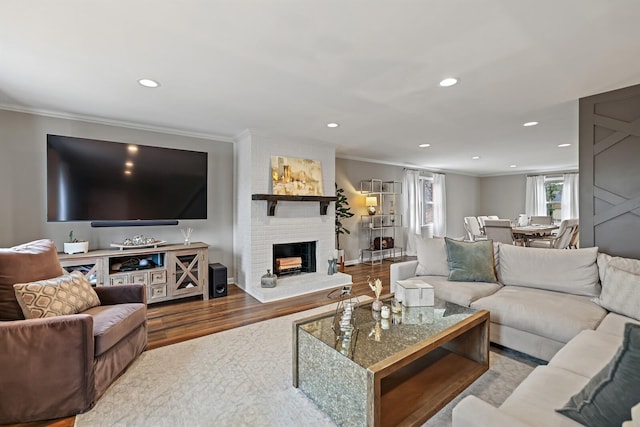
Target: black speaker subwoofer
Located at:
point(217, 280)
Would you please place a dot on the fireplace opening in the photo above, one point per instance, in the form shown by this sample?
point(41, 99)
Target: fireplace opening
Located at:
point(293, 258)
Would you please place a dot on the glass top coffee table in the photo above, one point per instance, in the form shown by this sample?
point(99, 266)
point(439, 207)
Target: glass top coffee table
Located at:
point(395, 372)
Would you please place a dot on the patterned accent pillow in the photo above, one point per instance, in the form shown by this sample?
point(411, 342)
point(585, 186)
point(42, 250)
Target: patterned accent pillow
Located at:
point(68, 294)
point(471, 261)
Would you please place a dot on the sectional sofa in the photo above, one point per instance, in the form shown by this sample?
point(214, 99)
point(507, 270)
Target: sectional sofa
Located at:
point(567, 307)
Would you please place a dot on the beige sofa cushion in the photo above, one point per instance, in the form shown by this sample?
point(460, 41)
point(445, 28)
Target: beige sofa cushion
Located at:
point(432, 257)
point(544, 390)
point(613, 324)
point(570, 271)
point(620, 292)
point(461, 293)
point(67, 294)
point(555, 315)
point(587, 353)
point(627, 264)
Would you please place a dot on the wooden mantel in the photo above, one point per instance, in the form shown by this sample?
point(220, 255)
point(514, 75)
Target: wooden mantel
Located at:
point(273, 199)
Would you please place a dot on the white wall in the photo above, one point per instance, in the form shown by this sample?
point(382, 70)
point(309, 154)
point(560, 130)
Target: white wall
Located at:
point(23, 194)
point(292, 222)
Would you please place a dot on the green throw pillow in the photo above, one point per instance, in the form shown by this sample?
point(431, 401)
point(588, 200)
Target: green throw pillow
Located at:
point(471, 261)
point(608, 397)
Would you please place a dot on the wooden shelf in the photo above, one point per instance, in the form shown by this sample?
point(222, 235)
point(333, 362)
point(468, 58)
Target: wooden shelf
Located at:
point(273, 199)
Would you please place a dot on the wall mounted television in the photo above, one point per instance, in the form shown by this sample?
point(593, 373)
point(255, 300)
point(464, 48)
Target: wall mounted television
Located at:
point(119, 184)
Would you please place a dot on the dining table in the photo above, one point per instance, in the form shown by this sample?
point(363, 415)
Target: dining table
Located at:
point(533, 231)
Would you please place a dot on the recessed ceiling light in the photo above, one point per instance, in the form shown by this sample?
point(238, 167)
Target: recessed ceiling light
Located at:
point(132, 148)
point(127, 172)
point(332, 125)
point(513, 166)
point(128, 164)
point(475, 157)
point(148, 83)
point(563, 145)
point(424, 145)
point(449, 81)
point(530, 124)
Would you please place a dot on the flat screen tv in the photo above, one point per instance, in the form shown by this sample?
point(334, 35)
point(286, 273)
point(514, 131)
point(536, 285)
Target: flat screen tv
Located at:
point(102, 181)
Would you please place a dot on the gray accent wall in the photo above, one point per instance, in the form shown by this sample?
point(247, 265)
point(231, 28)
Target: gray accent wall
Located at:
point(609, 172)
point(23, 185)
point(502, 195)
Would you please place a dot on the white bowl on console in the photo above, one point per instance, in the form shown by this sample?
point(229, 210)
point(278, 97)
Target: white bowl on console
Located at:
point(76, 247)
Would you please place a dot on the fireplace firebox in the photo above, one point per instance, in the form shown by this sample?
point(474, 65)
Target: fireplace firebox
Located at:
point(293, 258)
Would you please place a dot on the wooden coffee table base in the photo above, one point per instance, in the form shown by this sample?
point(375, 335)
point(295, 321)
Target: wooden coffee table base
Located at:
point(404, 389)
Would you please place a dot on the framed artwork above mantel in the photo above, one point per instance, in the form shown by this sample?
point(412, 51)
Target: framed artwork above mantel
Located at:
point(291, 176)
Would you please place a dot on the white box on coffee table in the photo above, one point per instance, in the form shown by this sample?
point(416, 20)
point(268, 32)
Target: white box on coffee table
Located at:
point(414, 293)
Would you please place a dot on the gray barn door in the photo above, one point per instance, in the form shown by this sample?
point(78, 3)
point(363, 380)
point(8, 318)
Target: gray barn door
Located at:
point(610, 172)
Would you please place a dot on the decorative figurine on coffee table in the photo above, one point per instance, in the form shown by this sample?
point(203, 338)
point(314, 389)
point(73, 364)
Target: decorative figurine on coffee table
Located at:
point(376, 287)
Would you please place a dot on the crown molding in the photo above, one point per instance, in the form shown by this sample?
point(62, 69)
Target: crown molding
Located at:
point(119, 123)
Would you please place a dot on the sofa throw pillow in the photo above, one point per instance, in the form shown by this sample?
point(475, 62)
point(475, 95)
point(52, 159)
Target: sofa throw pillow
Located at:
point(627, 264)
point(28, 262)
point(570, 271)
point(620, 292)
point(470, 261)
point(432, 257)
point(67, 294)
point(608, 397)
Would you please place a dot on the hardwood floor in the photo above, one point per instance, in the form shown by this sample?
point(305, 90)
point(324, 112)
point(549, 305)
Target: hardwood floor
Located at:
point(181, 320)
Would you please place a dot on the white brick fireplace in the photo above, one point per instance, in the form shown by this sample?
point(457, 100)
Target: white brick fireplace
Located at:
point(256, 232)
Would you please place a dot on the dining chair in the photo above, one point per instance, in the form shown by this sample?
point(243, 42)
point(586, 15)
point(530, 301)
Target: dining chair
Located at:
point(482, 219)
point(499, 230)
point(575, 238)
point(541, 220)
point(472, 227)
point(559, 241)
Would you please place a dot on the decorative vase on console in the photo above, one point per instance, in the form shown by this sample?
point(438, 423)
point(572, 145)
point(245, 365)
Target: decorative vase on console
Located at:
point(376, 287)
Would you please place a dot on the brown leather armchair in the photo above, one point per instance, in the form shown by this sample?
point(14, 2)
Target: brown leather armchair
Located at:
point(60, 366)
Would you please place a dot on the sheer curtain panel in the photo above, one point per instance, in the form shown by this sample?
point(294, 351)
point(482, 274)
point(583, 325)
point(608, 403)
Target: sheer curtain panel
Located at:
point(413, 201)
point(570, 196)
point(535, 197)
point(439, 205)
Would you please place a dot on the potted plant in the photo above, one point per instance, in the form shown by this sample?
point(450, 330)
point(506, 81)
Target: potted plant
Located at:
point(75, 246)
point(343, 211)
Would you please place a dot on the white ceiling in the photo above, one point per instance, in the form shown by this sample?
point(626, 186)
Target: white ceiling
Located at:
point(286, 68)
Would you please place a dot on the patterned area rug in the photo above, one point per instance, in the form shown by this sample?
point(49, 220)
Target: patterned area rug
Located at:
point(242, 377)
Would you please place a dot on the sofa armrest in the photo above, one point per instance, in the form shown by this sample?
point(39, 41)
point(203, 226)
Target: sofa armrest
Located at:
point(46, 368)
point(400, 271)
point(122, 294)
point(474, 412)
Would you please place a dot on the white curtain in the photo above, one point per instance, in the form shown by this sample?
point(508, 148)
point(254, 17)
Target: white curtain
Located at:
point(439, 205)
point(412, 198)
point(570, 196)
point(535, 196)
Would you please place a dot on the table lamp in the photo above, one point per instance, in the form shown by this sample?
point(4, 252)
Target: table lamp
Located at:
point(371, 203)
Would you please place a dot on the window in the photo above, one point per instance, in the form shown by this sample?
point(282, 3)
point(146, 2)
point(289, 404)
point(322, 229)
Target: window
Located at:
point(427, 209)
point(553, 196)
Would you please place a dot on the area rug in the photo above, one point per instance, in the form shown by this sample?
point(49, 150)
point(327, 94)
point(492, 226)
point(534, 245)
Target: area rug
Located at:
point(242, 377)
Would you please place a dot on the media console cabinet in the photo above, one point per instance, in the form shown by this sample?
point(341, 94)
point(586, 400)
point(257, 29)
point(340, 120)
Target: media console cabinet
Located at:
point(168, 271)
